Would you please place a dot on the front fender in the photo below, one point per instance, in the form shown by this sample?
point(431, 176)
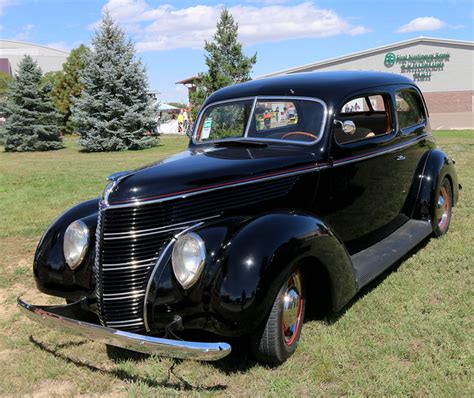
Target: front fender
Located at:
point(261, 256)
point(52, 275)
point(438, 166)
point(248, 259)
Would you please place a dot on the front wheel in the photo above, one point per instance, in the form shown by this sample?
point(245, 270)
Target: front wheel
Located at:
point(279, 338)
point(442, 208)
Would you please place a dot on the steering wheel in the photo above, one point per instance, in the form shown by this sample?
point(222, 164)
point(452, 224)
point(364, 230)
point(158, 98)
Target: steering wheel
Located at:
point(285, 136)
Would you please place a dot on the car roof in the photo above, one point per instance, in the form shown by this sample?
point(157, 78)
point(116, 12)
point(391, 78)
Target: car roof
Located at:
point(328, 86)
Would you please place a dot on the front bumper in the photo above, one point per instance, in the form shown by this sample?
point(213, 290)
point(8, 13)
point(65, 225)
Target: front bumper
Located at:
point(57, 317)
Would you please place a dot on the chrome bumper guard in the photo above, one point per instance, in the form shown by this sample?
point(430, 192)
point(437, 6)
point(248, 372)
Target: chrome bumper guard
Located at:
point(54, 317)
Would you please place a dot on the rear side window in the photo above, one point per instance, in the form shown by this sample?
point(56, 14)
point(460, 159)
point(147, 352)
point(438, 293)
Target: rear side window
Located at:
point(370, 115)
point(409, 108)
point(364, 104)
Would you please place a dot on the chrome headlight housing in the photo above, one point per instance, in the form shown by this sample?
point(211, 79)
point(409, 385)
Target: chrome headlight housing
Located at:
point(76, 242)
point(189, 254)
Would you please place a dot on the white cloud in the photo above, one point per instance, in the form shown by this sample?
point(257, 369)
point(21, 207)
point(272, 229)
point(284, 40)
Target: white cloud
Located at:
point(4, 4)
point(359, 30)
point(267, 2)
point(422, 23)
point(166, 27)
point(25, 33)
point(127, 9)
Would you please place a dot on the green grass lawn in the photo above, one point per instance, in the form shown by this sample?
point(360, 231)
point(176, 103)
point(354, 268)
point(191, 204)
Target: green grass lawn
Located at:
point(35, 187)
point(409, 333)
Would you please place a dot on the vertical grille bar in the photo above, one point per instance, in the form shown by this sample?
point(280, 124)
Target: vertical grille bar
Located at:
point(97, 267)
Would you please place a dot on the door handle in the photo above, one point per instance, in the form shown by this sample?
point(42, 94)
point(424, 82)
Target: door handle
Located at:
point(400, 157)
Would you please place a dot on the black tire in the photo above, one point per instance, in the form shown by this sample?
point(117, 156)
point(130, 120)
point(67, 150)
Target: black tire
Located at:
point(442, 208)
point(275, 343)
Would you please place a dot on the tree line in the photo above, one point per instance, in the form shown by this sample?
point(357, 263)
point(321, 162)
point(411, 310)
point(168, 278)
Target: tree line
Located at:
point(102, 93)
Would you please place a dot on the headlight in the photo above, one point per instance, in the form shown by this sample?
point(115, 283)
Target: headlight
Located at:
point(76, 242)
point(188, 257)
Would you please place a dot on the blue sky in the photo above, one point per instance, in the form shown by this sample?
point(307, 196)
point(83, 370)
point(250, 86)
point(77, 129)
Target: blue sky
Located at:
point(169, 35)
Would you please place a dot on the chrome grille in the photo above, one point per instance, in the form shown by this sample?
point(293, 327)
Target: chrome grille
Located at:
point(125, 264)
point(129, 241)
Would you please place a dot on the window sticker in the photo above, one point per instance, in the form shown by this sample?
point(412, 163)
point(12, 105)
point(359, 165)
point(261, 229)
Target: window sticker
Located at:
point(206, 128)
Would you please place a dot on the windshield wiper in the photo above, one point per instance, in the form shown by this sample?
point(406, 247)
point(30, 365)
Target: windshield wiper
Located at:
point(240, 143)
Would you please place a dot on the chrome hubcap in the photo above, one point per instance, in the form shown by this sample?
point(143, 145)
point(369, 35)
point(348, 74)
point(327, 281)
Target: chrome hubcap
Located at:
point(440, 202)
point(292, 307)
point(443, 208)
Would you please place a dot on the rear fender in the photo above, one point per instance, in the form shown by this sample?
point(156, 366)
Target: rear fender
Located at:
point(438, 166)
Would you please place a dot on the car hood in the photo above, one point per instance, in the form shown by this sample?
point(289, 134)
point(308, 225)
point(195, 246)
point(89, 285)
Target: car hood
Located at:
point(200, 169)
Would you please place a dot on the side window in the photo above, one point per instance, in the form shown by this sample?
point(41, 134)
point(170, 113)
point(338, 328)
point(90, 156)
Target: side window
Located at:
point(377, 103)
point(370, 115)
point(409, 108)
point(364, 104)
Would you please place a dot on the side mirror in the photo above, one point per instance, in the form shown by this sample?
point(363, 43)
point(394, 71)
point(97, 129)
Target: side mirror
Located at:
point(348, 126)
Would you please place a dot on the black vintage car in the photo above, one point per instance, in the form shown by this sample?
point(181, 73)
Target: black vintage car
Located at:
point(294, 190)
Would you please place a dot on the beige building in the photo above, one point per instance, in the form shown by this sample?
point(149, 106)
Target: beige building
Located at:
point(12, 52)
point(442, 68)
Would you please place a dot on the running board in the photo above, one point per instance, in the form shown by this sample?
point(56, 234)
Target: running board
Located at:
point(374, 260)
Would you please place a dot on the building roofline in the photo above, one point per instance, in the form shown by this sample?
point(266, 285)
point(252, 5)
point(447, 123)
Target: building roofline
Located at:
point(36, 45)
point(189, 80)
point(363, 53)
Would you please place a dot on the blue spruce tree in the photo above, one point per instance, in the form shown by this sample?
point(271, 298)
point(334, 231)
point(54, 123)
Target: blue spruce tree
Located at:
point(32, 123)
point(115, 111)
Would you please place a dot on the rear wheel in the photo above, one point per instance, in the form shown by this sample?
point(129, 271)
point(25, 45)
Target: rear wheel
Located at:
point(442, 208)
point(279, 338)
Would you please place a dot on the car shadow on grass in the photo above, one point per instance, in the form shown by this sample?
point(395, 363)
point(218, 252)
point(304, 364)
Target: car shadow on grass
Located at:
point(333, 317)
point(181, 384)
point(240, 360)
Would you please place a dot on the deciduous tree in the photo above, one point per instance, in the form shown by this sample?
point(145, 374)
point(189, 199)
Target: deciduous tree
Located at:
point(68, 85)
point(5, 80)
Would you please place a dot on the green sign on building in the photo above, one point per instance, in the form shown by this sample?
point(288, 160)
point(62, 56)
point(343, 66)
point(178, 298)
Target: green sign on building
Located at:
point(389, 60)
point(420, 66)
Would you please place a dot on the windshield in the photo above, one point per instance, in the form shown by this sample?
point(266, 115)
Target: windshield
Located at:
point(299, 120)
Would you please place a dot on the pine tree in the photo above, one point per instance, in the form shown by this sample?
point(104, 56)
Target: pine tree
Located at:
point(68, 86)
point(115, 111)
point(225, 61)
point(32, 121)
